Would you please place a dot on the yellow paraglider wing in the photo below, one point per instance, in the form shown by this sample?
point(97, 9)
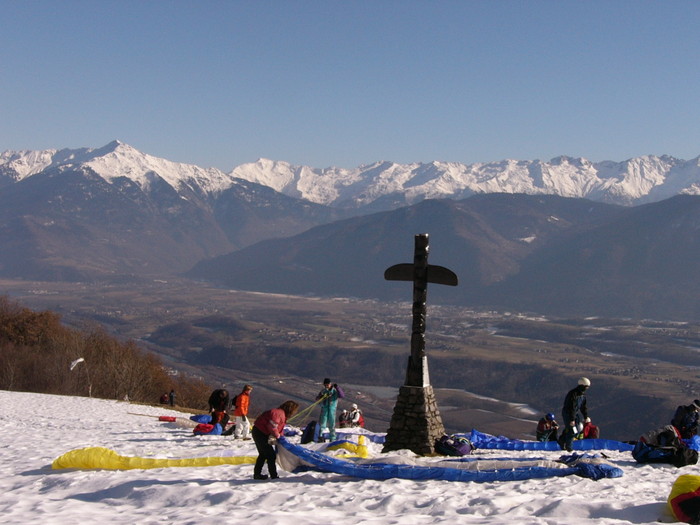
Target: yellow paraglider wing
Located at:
point(104, 458)
point(684, 499)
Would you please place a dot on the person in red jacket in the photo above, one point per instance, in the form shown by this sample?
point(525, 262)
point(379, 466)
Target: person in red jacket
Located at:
point(240, 413)
point(547, 428)
point(267, 429)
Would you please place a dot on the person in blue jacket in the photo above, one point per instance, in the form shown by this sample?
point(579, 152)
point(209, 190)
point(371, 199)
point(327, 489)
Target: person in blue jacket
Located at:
point(574, 413)
point(329, 401)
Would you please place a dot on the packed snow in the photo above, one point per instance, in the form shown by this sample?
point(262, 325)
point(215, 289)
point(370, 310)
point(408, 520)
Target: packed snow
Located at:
point(38, 428)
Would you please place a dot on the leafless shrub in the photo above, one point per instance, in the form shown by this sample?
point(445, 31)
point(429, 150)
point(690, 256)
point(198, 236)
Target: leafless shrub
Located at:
point(39, 354)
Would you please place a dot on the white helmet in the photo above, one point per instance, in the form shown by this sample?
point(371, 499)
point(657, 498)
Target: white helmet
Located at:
point(584, 381)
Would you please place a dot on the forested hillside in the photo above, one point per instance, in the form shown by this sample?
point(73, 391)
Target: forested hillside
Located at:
point(38, 354)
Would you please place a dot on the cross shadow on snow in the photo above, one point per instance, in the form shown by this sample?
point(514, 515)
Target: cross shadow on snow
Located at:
point(130, 489)
point(43, 471)
point(160, 440)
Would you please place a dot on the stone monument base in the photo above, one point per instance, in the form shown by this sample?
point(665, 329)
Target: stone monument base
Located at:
point(416, 422)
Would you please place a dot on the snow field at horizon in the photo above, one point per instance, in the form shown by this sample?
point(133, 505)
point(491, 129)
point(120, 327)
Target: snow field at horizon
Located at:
point(38, 428)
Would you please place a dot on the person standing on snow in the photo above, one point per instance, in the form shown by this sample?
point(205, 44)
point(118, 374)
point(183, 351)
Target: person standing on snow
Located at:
point(329, 401)
point(574, 413)
point(241, 413)
point(267, 429)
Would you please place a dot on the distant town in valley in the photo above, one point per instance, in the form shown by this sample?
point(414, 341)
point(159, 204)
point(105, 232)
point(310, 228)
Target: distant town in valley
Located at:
point(496, 372)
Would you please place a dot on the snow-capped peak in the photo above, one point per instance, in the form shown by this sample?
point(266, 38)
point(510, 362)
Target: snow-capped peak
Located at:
point(115, 160)
point(643, 179)
point(25, 163)
point(633, 181)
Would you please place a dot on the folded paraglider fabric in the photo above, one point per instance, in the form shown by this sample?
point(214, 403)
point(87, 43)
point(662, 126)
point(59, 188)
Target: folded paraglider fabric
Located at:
point(510, 470)
point(487, 441)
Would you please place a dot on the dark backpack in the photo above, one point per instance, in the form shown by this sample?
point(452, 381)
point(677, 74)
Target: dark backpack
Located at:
point(308, 435)
point(685, 456)
point(453, 446)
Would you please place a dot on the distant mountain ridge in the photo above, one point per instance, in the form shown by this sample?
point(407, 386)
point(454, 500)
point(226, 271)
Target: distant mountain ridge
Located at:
point(541, 254)
point(111, 162)
point(114, 213)
point(387, 185)
point(384, 185)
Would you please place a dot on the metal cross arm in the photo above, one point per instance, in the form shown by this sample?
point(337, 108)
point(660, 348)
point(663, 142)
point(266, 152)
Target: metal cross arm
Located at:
point(409, 272)
point(421, 273)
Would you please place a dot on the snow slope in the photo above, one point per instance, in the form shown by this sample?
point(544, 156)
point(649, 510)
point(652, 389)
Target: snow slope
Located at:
point(36, 429)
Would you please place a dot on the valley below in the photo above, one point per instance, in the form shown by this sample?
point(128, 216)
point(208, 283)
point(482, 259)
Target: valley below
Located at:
point(497, 372)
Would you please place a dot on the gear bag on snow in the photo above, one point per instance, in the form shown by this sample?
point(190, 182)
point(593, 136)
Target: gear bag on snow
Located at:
point(664, 446)
point(453, 446)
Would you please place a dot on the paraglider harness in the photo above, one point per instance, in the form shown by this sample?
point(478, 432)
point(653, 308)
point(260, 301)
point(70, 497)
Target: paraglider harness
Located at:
point(664, 446)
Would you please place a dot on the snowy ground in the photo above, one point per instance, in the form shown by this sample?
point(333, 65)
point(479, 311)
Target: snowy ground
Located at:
point(36, 429)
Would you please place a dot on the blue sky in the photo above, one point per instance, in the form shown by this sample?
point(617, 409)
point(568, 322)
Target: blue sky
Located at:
point(333, 83)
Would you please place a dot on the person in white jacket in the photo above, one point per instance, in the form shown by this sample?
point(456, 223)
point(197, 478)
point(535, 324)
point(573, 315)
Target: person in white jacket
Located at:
point(355, 416)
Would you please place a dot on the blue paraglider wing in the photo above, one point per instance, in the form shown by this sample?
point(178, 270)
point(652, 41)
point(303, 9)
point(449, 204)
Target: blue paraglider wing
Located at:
point(511, 470)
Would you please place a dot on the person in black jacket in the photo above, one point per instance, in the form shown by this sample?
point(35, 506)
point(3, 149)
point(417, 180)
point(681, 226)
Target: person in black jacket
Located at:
point(219, 400)
point(574, 413)
point(219, 404)
point(686, 419)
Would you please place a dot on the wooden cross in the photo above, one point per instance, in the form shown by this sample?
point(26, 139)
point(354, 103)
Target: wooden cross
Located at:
point(421, 273)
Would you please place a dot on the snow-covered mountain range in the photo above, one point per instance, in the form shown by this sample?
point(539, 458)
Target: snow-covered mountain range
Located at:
point(518, 233)
point(383, 185)
point(634, 181)
point(112, 161)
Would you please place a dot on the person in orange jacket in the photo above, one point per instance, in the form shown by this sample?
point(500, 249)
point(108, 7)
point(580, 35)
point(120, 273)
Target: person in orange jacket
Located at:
point(240, 414)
